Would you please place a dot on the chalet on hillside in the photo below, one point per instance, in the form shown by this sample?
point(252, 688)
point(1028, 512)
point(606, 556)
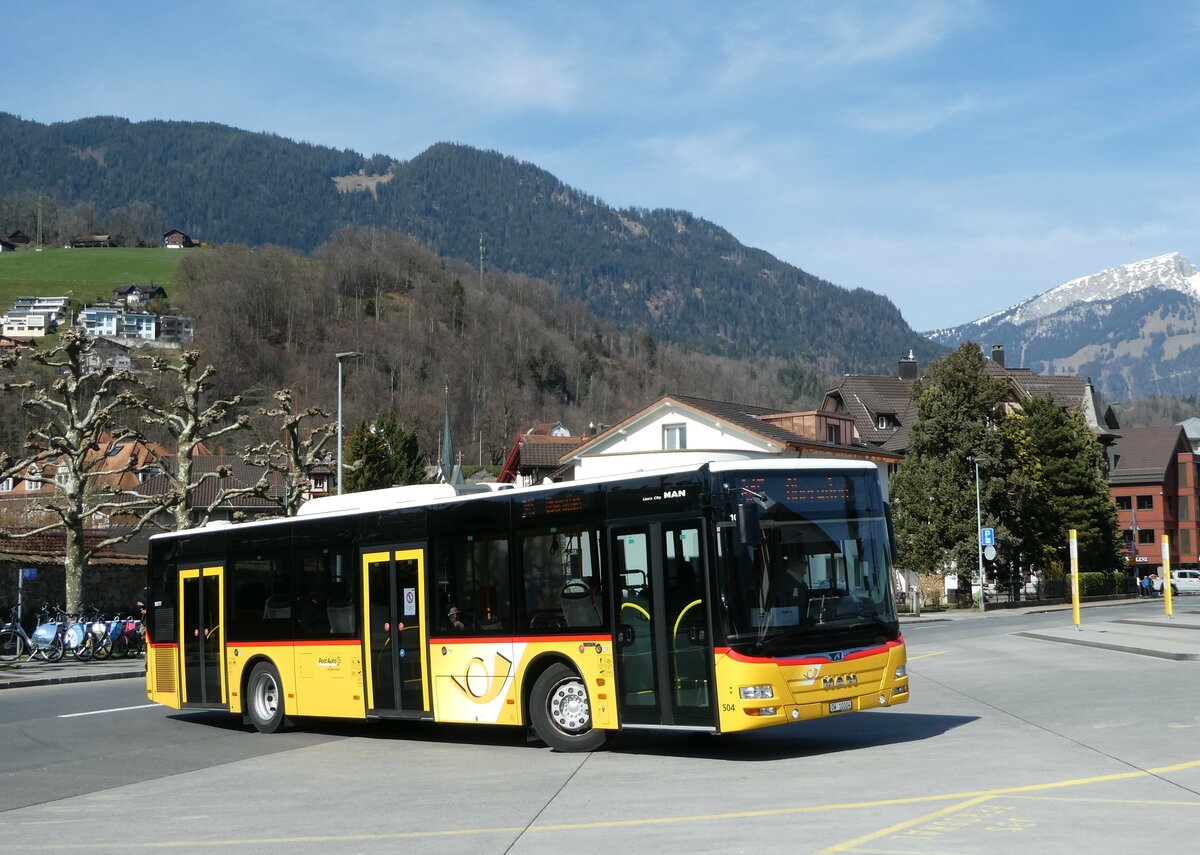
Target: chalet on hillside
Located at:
point(108, 352)
point(137, 295)
point(176, 239)
point(19, 238)
point(91, 241)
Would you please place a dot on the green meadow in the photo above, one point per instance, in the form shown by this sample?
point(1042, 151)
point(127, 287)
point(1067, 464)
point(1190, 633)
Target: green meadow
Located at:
point(86, 275)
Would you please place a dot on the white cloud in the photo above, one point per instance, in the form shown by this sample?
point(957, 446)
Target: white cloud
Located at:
point(912, 118)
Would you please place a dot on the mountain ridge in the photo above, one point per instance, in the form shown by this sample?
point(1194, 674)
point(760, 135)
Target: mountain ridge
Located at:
point(1134, 329)
point(669, 273)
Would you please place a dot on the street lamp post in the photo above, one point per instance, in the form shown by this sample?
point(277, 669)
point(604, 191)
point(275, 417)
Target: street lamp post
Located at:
point(979, 525)
point(341, 358)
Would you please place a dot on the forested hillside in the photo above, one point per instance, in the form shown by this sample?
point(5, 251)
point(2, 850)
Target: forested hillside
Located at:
point(510, 349)
point(665, 273)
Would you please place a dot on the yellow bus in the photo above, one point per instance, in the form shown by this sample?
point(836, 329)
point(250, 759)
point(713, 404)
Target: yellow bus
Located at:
point(717, 598)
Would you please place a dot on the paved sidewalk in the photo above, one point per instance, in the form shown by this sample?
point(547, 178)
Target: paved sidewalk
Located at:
point(1154, 635)
point(1149, 634)
point(69, 670)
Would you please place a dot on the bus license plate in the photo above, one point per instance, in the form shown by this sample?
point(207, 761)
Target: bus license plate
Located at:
point(841, 706)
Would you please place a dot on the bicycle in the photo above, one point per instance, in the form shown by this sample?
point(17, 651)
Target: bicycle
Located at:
point(46, 643)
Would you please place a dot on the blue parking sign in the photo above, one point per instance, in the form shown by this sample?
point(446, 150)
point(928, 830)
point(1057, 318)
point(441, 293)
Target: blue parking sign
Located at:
point(28, 573)
point(987, 537)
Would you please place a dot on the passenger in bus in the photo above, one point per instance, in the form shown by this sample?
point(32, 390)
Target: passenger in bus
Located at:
point(455, 618)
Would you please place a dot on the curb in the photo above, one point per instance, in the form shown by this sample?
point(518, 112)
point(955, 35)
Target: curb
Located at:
point(1119, 648)
point(19, 682)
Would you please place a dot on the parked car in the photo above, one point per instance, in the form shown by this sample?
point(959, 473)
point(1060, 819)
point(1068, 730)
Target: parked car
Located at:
point(1182, 582)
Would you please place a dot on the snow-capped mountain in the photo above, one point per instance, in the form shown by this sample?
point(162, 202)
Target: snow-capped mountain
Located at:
point(1134, 329)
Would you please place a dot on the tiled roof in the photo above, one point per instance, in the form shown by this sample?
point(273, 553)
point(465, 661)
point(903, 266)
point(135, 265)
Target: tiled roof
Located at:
point(241, 475)
point(745, 416)
point(1146, 454)
point(48, 547)
point(546, 451)
point(868, 396)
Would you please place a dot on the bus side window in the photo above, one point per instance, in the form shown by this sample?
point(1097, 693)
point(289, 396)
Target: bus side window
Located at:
point(473, 575)
point(560, 569)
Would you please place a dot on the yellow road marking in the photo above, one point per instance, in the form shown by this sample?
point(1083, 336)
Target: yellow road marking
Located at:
point(925, 655)
point(965, 799)
point(908, 823)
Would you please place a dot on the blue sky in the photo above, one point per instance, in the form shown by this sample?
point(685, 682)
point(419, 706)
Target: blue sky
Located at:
point(957, 157)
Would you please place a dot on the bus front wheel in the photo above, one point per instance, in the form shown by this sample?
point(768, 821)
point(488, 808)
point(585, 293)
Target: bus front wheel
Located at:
point(264, 693)
point(561, 712)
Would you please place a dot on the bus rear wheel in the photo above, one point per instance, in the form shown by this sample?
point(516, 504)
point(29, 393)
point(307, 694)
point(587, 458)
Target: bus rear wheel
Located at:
point(561, 712)
point(264, 696)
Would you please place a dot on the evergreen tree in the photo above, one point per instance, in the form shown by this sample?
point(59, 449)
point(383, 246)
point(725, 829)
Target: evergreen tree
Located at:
point(382, 454)
point(1076, 490)
point(934, 491)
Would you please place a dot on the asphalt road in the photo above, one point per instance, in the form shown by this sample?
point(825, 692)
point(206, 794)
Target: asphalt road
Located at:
point(1009, 744)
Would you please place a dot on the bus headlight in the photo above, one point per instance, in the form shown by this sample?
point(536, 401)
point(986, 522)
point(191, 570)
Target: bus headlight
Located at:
point(756, 693)
point(901, 671)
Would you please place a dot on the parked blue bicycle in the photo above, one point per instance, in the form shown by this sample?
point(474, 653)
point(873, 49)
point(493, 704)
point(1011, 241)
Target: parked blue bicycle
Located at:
point(46, 643)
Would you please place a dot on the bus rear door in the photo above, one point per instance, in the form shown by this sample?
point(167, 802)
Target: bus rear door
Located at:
point(663, 638)
point(202, 636)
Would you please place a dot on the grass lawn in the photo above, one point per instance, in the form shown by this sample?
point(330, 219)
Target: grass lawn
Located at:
point(86, 275)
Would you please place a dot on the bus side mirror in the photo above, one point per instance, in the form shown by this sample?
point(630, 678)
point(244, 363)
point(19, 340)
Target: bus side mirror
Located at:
point(749, 529)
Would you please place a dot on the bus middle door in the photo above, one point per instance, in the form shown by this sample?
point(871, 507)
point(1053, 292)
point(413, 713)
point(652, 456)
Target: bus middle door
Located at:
point(663, 639)
point(396, 667)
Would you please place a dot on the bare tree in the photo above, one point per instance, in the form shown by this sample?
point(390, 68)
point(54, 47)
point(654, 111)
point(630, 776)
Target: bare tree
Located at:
point(75, 426)
point(292, 457)
point(190, 423)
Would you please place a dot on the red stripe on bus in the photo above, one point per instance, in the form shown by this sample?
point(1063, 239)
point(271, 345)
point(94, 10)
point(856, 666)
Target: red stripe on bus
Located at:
point(349, 642)
point(515, 639)
point(808, 660)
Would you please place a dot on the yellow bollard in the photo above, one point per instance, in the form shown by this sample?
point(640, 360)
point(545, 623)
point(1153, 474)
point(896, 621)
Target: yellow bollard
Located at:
point(1166, 556)
point(1075, 579)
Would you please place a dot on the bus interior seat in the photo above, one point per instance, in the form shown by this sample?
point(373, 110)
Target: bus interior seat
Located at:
point(341, 616)
point(633, 582)
point(577, 605)
point(277, 606)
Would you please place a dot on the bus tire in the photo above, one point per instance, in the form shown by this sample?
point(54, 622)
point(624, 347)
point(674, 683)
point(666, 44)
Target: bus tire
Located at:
point(560, 711)
point(264, 699)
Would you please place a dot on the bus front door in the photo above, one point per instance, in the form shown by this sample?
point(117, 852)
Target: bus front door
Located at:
point(202, 636)
point(395, 654)
point(663, 639)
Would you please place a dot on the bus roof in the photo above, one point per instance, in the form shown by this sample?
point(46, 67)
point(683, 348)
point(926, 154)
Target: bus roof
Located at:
point(417, 495)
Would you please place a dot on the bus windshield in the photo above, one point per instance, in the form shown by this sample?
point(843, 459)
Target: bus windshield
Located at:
point(820, 578)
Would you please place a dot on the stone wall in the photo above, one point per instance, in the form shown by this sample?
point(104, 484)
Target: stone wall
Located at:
point(112, 589)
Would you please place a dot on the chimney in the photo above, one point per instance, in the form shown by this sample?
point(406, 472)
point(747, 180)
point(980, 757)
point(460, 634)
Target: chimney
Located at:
point(998, 354)
point(908, 367)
